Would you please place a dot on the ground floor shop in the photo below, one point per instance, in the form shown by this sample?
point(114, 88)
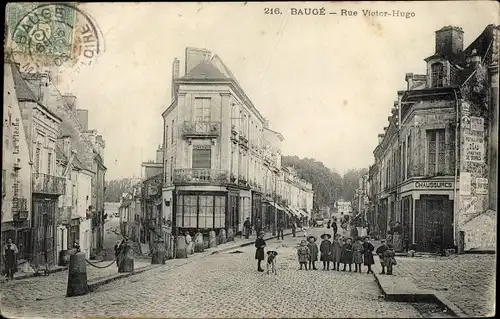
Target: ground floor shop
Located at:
point(43, 231)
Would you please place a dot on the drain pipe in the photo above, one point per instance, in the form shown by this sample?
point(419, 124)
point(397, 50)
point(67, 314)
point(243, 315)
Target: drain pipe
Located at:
point(456, 199)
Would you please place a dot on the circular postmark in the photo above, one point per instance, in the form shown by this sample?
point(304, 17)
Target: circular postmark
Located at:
point(51, 35)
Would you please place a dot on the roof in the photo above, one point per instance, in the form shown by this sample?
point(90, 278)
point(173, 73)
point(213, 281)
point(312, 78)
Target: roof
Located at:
point(205, 71)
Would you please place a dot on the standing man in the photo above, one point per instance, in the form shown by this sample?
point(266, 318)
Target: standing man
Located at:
point(281, 225)
point(10, 258)
point(258, 227)
point(248, 227)
point(334, 227)
point(294, 226)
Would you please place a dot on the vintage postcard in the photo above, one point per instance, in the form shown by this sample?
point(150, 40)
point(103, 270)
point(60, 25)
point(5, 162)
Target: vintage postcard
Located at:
point(250, 159)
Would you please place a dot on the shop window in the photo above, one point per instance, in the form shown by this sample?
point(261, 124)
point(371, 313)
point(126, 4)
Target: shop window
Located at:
point(206, 215)
point(190, 211)
point(437, 74)
point(436, 152)
point(220, 212)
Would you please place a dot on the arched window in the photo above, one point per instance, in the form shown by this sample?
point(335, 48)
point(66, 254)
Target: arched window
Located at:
point(437, 74)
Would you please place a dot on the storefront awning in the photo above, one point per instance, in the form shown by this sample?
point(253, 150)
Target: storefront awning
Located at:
point(279, 207)
point(293, 211)
point(304, 212)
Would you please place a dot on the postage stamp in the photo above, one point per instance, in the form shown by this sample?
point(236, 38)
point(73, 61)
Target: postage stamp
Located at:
point(51, 35)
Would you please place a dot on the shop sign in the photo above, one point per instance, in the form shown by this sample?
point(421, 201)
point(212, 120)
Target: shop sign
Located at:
point(434, 185)
point(466, 122)
point(15, 136)
point(465, 183)
point(465, 109)
point(481, 191)
point(474, 148)
point(481, 180)
point(469, 205)
point(477, 124)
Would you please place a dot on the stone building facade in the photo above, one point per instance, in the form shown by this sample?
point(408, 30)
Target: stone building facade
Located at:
point(434, 159)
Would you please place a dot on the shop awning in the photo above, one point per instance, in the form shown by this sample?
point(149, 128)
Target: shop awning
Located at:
point(278, 206)
point(304, 212)
point(293, 211)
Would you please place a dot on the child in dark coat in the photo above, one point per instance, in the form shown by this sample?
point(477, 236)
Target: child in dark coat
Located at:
point(303, 254)
point(368, 254)
point(326, 249)
point(380, 252)
point(389, 259)
point(347, 254)
point(259, 252)
point(357, 254)
point(313, 252)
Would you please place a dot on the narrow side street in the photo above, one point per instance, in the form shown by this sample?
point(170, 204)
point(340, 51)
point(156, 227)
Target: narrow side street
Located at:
point(228, 285)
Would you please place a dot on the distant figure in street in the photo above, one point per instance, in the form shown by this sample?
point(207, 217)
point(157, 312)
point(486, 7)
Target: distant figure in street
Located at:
point(189, 244)
point(368, 254)
point(248, 227)
point(294, 227)
point(396, 237)
point(334, 227)
point(117, 251)
point(76, 246)
point(258, 227)
point(328, 224)
point(303, 254)
point(337, 252)
point(260, 244)
point(389, 259)
point(313, 252)
point(357, 254)
point(10, 255)
point(347, 254)
point(281, 226)
point(326, 250)
point(380, 252)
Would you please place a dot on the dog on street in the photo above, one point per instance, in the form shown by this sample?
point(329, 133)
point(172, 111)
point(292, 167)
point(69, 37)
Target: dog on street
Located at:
point(271, 261)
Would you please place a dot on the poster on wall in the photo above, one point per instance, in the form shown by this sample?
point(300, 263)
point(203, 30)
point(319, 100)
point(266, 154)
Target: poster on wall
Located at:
point(465, 183)
point(477, 124)
point(465, 109)
point(473, 148)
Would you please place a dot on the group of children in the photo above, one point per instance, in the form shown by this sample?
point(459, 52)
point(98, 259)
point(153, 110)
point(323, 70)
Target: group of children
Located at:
point(342, 250)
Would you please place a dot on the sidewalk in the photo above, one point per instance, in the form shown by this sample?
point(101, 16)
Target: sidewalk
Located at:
point(464, 284)
point(55, 285)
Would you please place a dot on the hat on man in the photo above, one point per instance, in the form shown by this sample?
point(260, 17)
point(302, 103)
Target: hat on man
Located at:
point(326, 235)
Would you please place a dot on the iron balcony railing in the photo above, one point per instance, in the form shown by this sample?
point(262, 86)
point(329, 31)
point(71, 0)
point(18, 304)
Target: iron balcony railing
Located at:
point(48, 184)
point(201, 129)
point(200, 175)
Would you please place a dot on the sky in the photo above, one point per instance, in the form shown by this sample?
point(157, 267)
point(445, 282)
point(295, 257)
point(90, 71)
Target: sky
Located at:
point(327, 83)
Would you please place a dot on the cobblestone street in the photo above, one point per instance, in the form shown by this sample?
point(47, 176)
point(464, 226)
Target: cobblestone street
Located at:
point(225, 285)
point(466, 280)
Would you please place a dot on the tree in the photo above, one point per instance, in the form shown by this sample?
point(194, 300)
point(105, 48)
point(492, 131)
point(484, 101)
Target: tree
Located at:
point(115, 188)
point(350, 182)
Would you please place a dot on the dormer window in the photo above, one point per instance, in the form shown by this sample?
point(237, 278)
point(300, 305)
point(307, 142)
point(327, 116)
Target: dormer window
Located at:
point(437, 75)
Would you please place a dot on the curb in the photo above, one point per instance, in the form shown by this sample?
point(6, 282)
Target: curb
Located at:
point(246, 244)
point(33, 274)
point(410, 293)
point(96, 283)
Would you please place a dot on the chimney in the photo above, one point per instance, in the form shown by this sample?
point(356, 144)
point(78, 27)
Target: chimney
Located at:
point(409, 81)
point(175, 76)
point(194, 57)
point(83, 118)
point(159, 155)
point(450, 41)
point(266, 124)
point(70, 100)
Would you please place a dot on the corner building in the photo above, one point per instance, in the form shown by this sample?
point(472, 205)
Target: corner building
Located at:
point(214, 149)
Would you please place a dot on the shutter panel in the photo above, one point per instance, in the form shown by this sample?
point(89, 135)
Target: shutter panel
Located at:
point(202, 158)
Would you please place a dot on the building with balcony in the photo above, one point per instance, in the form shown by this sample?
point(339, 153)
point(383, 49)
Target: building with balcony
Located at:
point(431, 158)
point(42, 130)
point(88, 148)
point(16, 169)
point(221, 161)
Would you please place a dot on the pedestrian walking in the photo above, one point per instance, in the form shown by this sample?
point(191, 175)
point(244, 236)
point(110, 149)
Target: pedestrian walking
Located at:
point(347, 254)
point(10, 255)
point(368, 254)
point(326, 250)
point(389, 259)
point(337, 252)
point(357, 254)
point(247, 225)
point(281, 226)
point(328, 224)
point(260, 244)
point(303, 254)
point(294, 227)
point(313, 252)
point(380, 252)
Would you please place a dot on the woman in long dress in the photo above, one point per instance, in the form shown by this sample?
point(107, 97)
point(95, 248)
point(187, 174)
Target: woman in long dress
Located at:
point(337, 252)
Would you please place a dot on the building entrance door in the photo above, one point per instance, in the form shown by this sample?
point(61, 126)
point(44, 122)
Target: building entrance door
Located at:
point(407, 222)
point(433, 223)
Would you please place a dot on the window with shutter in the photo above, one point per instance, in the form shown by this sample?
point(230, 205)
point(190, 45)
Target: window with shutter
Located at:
point(202, 158)
point(202, 109)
